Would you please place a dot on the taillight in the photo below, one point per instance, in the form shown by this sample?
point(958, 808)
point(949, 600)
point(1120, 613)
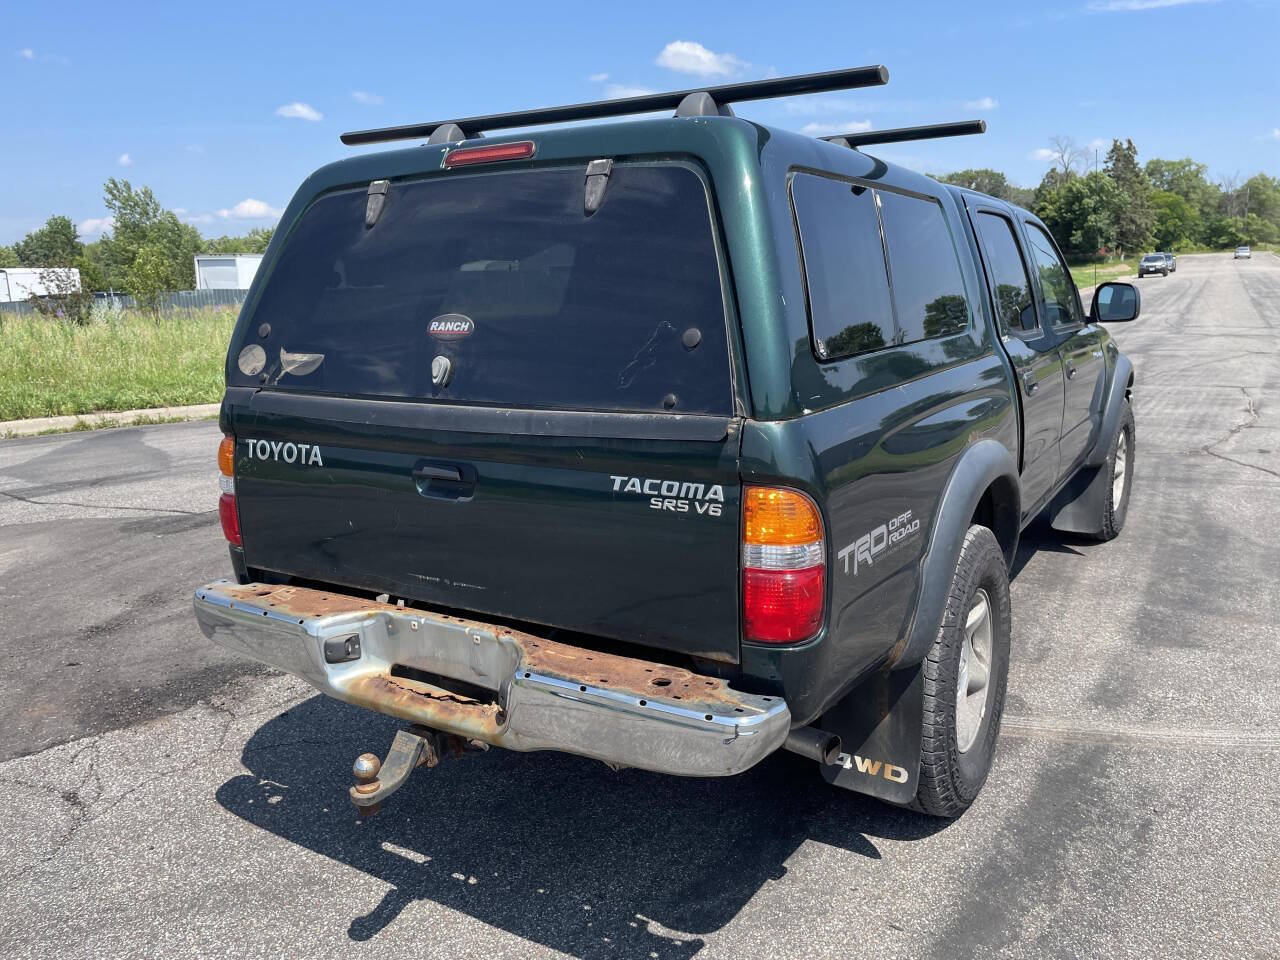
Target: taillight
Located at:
point(227, 511)
point(465, 156)
point(784, 566)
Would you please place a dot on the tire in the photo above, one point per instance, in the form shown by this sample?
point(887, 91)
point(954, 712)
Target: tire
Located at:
point(951, 772)
point(1116, 506)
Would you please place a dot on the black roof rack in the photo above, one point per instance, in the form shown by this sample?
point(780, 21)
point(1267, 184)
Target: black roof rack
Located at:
point(900, 134)
point(697, 102)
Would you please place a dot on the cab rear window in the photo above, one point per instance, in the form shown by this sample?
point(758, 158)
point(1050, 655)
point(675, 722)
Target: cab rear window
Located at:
point(508, 289)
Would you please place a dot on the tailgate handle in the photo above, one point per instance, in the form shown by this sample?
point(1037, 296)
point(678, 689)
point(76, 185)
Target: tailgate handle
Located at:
point(428, 472)
point(443, 481)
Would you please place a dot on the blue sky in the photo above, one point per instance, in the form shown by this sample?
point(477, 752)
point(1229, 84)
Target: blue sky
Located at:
point(223, 110)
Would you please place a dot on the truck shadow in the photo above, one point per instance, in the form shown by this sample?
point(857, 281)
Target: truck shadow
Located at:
point(555, 849)
point(1041, 537)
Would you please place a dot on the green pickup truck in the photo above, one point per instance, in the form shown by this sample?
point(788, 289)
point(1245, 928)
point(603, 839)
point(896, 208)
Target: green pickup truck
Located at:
point(667, 442)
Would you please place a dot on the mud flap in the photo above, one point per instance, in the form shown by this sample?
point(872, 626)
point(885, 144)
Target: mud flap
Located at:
point(1079, 505)
point(880, 723)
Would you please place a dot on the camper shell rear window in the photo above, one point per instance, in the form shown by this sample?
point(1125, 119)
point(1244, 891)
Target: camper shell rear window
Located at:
point(507, 281)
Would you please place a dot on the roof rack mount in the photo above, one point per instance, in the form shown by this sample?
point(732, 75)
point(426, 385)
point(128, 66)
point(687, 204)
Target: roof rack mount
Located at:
point(701, 102)
point(930, 131)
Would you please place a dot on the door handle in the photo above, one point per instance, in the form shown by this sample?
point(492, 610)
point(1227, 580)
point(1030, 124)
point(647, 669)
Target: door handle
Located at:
point(1071, 372)
point(1029, 382)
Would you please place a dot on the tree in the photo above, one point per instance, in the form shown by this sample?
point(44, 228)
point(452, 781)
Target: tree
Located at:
point(255, 241)
point(1066, 155)
point(1186, 178)
point(140, 222)
point(991, 182)
point(8, 258)
point(1133, 214)
point(1081, 212)
point(1177, 223)
point(56, 244)
point(150, 275)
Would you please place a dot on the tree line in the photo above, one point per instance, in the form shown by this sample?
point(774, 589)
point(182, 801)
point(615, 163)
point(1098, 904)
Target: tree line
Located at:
point(148, 249)
point(1125, 208)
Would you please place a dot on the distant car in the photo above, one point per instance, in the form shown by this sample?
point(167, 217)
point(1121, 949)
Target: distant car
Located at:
point(1243, 253)
point(1153, 263)
point(1172, 261)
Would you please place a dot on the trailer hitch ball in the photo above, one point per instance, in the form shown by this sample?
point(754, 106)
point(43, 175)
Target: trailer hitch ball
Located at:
point(366, 770)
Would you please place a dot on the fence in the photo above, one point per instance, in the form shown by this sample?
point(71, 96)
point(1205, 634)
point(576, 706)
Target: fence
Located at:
point(178, 301)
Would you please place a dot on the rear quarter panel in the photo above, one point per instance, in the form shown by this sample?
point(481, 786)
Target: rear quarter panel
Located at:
point(873, 440)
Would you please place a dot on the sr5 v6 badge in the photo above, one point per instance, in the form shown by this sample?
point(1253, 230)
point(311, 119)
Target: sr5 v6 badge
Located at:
point(677, 496)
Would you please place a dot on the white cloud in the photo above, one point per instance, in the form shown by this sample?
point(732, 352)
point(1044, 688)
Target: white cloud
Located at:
point(598, 78)
point(26, 53)
point(125, 160)
point(361, 96)
point(251, 209)
point(982, 103)
point(299, 111)
point(194, 148)
point(1274, 134)
point(616, 91)
point(835, 129)
point(684, 56)
point(1126, 6)
point(94, 225)
point(1041, 153)
point(199, 218)
point(1098, 143)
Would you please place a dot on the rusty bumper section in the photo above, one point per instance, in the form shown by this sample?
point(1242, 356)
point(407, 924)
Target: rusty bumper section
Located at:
point(545, 695)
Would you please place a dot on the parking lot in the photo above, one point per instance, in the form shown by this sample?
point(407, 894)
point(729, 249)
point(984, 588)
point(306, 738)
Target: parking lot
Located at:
point(166, 799)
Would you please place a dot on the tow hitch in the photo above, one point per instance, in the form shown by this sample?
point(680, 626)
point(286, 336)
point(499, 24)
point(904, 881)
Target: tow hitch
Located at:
point(415, 747)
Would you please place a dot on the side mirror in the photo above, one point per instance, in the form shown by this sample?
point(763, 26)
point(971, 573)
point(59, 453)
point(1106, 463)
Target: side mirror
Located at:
point(1115, 303)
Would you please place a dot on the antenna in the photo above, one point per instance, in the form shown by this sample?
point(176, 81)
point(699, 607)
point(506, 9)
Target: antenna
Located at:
point(704, 101)
point(900, 134)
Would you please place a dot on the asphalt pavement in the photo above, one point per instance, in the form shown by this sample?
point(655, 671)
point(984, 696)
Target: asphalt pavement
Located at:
point(165, 800)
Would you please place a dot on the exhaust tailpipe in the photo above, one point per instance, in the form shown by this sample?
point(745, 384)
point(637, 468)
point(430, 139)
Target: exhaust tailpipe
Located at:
point(814, 743)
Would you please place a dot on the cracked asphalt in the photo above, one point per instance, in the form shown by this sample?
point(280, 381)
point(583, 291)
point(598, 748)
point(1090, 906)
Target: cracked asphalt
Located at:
point(165, 800)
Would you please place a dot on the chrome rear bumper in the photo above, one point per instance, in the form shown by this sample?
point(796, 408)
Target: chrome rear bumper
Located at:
point(544, 695)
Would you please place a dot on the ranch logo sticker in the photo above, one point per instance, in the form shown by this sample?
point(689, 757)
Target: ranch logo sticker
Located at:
point(451, 326)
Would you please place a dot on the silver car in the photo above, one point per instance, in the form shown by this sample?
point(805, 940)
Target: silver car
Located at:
point(1243, 253)
point(1153, 263)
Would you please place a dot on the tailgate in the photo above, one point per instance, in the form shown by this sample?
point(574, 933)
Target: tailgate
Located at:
point(631, 537)
point(495, 399)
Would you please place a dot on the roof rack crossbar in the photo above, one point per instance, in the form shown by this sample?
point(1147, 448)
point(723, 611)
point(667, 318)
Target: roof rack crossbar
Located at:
point(930, 131)
point(723, 95)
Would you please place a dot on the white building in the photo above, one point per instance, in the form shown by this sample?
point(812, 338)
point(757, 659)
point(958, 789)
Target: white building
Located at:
point(226, 272)
point(18, 284)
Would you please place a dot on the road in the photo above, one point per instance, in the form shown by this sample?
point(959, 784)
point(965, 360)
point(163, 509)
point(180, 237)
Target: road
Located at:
point(164, 800)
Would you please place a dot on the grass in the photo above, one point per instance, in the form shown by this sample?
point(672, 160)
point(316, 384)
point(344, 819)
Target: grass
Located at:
point(1083, 273)
point(127, 361)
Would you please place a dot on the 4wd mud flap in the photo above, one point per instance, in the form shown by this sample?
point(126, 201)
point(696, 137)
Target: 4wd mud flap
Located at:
point(880, 723)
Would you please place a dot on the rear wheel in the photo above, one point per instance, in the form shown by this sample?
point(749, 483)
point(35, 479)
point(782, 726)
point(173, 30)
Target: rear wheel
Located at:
point(964, 680)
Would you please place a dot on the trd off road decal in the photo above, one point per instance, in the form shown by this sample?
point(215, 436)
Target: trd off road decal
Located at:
point(675, 495)
point(872, 545)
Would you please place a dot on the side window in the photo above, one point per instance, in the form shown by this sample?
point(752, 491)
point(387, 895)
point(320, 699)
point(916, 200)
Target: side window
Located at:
point(1009, 279)
point(928, 288)
point(849, 306)
point(1059, 296)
